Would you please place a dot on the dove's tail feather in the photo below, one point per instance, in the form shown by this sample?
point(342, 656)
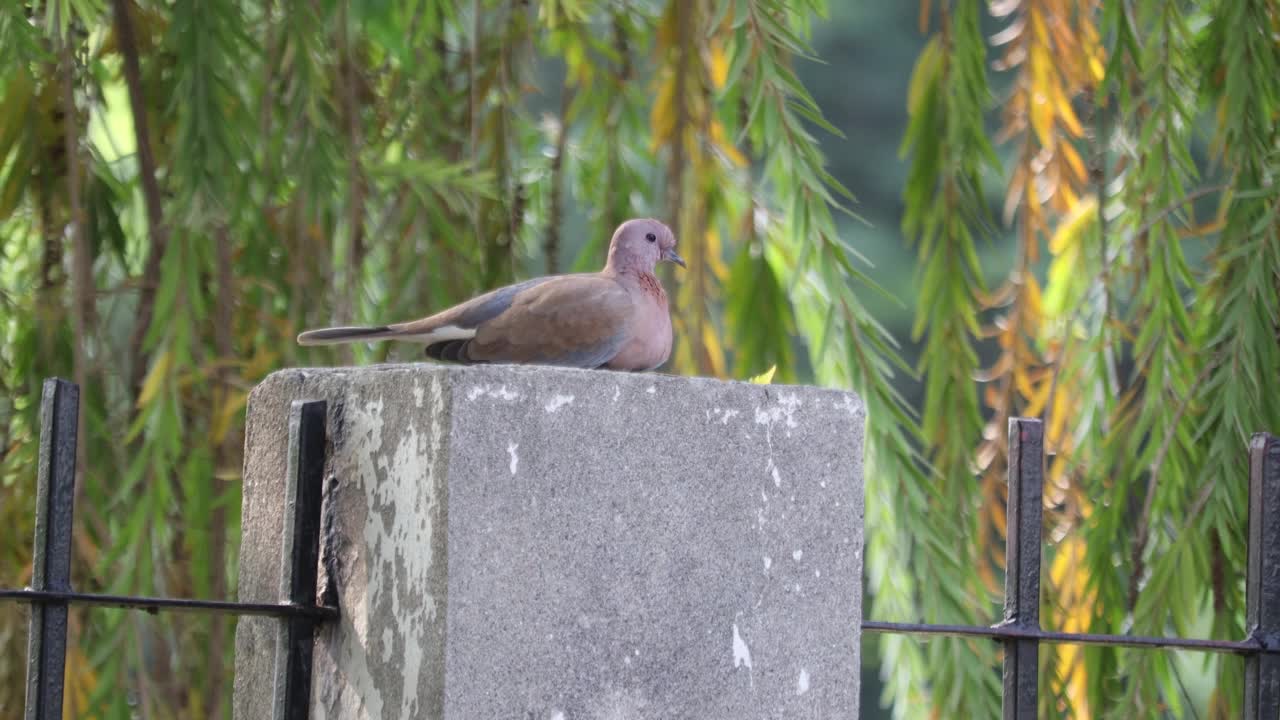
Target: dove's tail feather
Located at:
point(337, 335)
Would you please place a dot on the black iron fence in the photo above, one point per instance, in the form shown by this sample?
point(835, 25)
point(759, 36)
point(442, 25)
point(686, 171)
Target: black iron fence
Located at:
point(1020, 631)
point(50, 593)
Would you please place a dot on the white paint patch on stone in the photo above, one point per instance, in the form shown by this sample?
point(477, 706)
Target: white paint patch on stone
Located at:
point(515, 459)
point(617, 392)
point(723, 414)
point(557, 715)
point(741, 653)
point(768, 562)
point(773, 472)
point(849, 405)
point(797, 555)
point(557, 402)
point(652, 389)
point(394, 472)
point(802, 682)
point(784, 412)
point(500, 392)
point(418, 393)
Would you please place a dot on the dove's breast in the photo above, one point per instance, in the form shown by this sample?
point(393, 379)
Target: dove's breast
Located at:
point(648, 344)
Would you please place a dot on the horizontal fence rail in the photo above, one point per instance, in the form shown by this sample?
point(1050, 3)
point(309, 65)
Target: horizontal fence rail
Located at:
point(998, 632)
point(153, 605)
point(50, 594)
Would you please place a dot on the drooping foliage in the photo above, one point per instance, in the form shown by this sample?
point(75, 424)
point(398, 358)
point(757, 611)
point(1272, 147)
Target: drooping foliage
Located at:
point(1139, 320)
point(184, 186)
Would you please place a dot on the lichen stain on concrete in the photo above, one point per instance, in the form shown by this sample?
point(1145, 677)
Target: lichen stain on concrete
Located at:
point(497, 392)
point(783, 412)
point(395, 477)
point(557, 402)
point(850, 405)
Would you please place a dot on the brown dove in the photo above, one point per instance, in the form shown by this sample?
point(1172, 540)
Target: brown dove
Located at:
point(617, 318)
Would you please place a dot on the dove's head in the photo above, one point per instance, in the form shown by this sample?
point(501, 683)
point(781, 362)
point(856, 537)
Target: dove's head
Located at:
point(641, 244)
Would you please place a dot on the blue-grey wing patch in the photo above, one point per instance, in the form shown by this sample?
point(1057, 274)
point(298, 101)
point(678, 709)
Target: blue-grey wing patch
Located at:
point(576, 321)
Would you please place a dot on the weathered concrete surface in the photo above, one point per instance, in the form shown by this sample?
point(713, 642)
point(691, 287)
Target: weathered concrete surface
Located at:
point(546, 544)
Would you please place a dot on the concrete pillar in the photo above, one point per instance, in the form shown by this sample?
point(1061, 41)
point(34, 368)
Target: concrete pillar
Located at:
point(545, 544)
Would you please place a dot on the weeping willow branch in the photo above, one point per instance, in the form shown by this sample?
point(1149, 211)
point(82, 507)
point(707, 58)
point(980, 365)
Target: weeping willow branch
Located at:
point(156, 230)
point(81, 259)
point(551, 246)
point(355, 177)
point(227, 454)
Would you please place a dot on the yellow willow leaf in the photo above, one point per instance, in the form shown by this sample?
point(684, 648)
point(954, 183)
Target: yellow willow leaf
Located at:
point(662, 118)
point(1066, 197)
point(987, 577)
point(1037, 398)
point(999, 520)
point(1071, 157)
point(715, 256)
point(722, 141)
point(668, 32)
point(155, 378)
point(1066, 113)
point(682, 359)
point(226, 414)
point(1032, 220)
point(82, 682)
point(990, 398)
point(1066, 561)
point(1024, 384)
point(261, 363)
point(1097, 70)
point(713, 350)
point(1072, 228)
point(1063, 278)
point(924, 74)
point(1074, 609)
point(1038, 27)
point(1207, 228)
point(1033, 307)
point(1040, 109)
point(1063, 408)
point(765, 377)
point(717, 64)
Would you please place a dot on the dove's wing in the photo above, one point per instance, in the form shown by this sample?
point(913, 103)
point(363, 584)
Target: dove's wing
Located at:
point(571, 320)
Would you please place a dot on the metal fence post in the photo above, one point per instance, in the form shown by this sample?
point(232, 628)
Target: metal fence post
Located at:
point(1022, 567)
point(1262, 583)
point(51, 557)
point(301, 554)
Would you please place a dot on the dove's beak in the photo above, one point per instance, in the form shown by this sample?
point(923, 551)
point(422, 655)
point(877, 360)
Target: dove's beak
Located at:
point(670, 255)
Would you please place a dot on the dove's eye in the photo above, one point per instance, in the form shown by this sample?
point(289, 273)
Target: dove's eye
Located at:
point(651, 237)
